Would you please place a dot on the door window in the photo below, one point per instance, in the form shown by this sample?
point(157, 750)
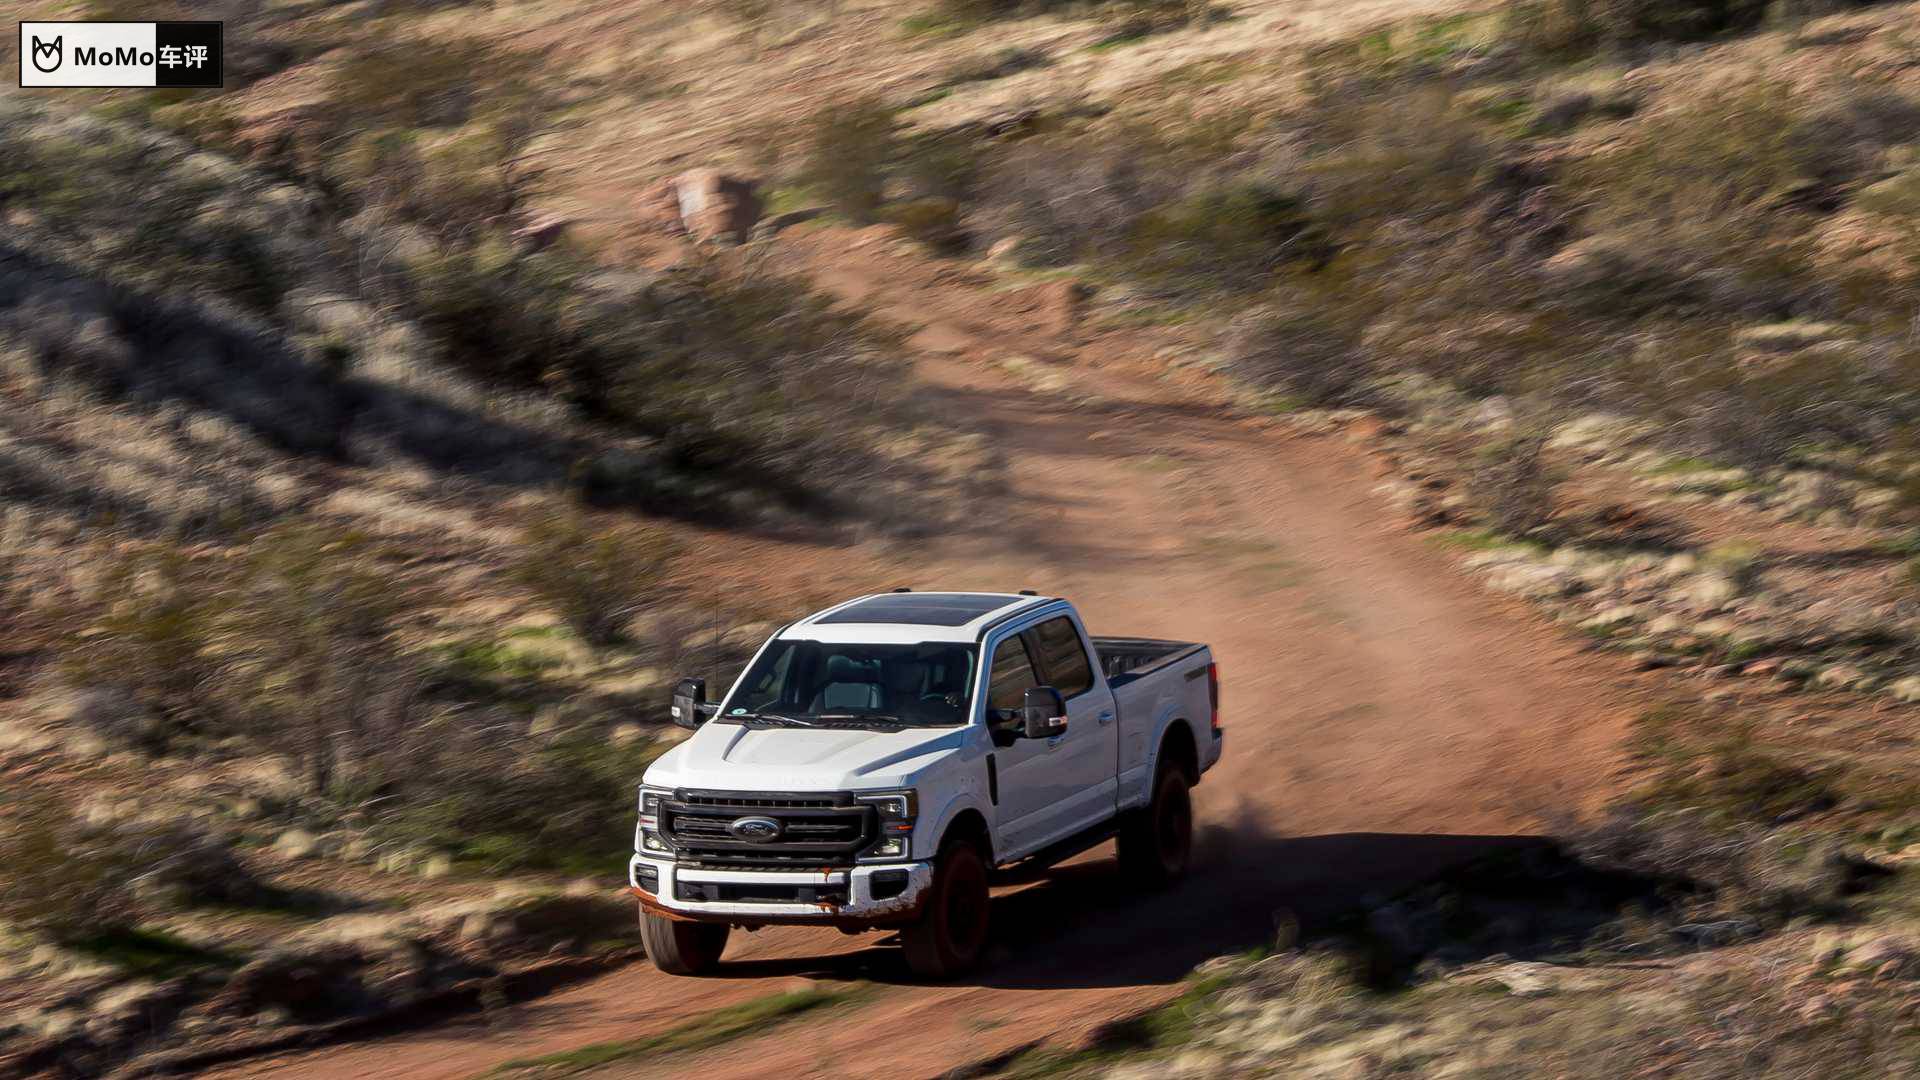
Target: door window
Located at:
point(1062, 656)
point(1009, 679)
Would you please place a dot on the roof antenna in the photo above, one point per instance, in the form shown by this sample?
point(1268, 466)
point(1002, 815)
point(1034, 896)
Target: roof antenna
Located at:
point(1028, 592)
point(903, 588)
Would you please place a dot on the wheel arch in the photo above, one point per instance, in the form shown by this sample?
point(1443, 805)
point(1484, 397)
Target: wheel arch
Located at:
point(1178, 747)
point(969, 823)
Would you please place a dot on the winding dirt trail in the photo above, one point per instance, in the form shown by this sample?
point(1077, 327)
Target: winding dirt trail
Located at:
point(1385, 719)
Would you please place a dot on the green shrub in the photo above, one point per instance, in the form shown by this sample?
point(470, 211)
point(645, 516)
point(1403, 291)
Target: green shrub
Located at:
point(109, 200)
point(596, 580)
point(1565, 29)
point(560, 806)
point(850, 149)
point(1227, 239)
point(73, 881)
point(933, 222)
point(153, 641)
point(410, 84)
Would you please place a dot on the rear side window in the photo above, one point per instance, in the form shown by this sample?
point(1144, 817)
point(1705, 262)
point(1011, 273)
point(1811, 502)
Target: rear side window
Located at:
point(1061, 655)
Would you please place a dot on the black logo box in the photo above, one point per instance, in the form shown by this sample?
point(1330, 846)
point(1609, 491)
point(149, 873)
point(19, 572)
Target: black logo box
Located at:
point(207, 35)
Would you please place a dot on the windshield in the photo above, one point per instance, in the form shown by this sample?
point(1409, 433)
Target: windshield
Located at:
point(814, 683)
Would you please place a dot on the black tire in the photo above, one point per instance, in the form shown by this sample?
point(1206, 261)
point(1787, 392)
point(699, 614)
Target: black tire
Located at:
point(1155, 843)
point(682, 948)
point(951, 934)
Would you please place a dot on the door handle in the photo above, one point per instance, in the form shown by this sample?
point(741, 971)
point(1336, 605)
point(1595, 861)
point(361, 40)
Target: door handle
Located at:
point(1105, 718)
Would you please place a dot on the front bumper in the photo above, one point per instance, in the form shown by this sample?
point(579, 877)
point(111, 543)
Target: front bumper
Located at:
point(852, 890)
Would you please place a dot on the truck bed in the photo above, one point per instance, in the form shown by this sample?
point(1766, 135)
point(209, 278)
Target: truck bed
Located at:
point(1124, 659)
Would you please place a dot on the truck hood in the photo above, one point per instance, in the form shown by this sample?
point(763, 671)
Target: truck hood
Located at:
point(730, 757)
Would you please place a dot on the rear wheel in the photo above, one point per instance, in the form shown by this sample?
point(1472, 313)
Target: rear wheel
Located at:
point(1155, 842)
point(682, 948)
point(951, 934)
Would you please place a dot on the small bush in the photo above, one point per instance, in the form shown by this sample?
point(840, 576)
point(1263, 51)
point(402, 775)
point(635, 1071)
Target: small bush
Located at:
point(505, 805)
point(1513, 484)
point(995, 65)
point(933, 222)
point(1740, 562)
point(596, 580)
point(152, 643)
point(850, 149)
point(1076, 199)
point(288, 645)
point(1567, 29)
point(1299, 355)
point(1228, 239)
point(403, 84)
point(72, 881)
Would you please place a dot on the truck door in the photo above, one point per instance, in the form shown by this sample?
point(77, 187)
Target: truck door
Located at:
point(1050, 788)
point(1089, 752)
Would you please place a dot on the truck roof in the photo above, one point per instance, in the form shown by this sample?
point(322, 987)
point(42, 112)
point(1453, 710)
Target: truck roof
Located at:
point(908, 617)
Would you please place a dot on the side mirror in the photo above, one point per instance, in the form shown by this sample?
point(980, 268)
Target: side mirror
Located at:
point(689, 701)
point(1043, 713)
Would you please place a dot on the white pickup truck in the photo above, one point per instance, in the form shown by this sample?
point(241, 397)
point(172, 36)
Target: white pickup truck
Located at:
point(878, 763)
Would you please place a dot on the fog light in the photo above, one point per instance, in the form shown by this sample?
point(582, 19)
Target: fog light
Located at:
point(888, 884)
point(648, 878)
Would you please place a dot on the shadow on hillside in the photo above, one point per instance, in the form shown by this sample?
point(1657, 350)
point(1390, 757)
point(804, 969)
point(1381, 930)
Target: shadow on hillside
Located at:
point(1082, 926)
point(139, 349)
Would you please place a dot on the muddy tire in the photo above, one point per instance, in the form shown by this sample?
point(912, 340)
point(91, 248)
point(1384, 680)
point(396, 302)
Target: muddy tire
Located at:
point(682, 948)
point(1155, 842)
point(951, 934)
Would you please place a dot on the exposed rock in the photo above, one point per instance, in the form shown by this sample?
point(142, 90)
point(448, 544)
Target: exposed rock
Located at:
point(1887, 957)
point(1063, 305)
point(1609, 617)
point(1709, 592)
point(542, 232)
point(1535, 582)
point(1842, 677)
point(1666, 625)
point(297, 844)
point(707, 204)
point(626, 734)
point(1529, 979)
point(1792, 336)
point(1597, 434)
point(1907, 689)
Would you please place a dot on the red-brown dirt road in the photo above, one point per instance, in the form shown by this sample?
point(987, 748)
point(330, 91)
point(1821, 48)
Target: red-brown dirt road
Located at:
point(1385, 719)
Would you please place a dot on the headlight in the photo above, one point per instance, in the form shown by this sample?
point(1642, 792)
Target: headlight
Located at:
point(897, 811)
point(646, 836)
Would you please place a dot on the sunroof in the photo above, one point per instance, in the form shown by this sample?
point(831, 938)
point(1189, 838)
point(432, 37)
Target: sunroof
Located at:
point(932, 609)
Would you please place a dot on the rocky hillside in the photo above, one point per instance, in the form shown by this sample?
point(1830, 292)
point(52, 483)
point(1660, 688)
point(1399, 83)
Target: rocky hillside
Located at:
point(343, 582)
point(331, 404)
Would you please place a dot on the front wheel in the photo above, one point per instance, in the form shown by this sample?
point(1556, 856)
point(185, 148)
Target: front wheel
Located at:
point(1155, 842)
point(951, 933)
point(682, 948)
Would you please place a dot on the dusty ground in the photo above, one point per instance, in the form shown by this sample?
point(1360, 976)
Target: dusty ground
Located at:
point(1384, 717)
